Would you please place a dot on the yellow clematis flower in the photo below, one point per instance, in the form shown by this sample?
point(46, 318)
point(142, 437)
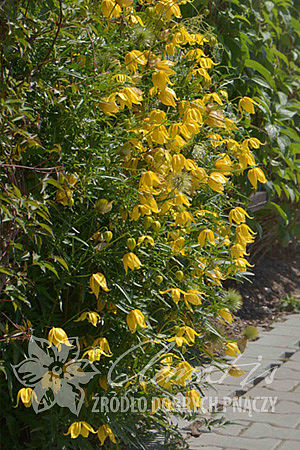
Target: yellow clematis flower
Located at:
point(163, 377)
point(236, 371)
point(108, 107)
point(110, 8)
point(78, 428)
point(175, 293)
point(183, 373)
point(148, 181)
point(238, 215)
point(147, 240)
point(91, 317)
point(97, 281)
point(238, 251)
point(131, 261)
point(100, 347)
point(225, 314)
point(185, 335)
point(232, 349)
point(216, 181)
point(135, 318)
point(132, 59)
point(160, 79)
point(193, 296)
point(246, 104)
point(26, 395)
point(256, 174)
point(193, 399)
point(58, 336)
point(206, 236)
point(105, 431)
point(244, 234)
point(167, 96)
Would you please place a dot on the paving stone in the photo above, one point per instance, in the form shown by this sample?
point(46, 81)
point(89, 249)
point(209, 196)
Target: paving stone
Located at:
point(283, 420)
point(295, 365)
point(263, 391)
point(265, 430)
point(295, 357)
point(232, 430)
point(283, 385)
point(279, 341)
point(285, 372)
point(233, 442)
point(289, 445)
point(285, 406)
point(284, 330)
point(266, 351)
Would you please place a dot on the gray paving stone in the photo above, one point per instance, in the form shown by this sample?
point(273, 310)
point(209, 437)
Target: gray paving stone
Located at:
point(285, 330)
point(283, 420)
point(289, 445)
point(295, 357)
point(285, 372)
point(233, 442)
point(283, 385)
point(295, 365)
point(285, 406)
point(264, 391)
point(232, 430)
point(279, 341)
point(264, 430)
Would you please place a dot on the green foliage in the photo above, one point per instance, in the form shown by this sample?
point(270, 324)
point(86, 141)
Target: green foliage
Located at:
point(260, 42)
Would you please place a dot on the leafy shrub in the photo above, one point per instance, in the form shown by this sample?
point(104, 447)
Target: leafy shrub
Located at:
point(121, 207)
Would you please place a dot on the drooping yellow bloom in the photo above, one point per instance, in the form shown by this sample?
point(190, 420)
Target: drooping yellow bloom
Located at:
point(131, 261)
point(193, 399)
point(58, 336)
point(163, 377)
point(100, 347)
point(26, 395)
point(185, 335)
point(216, 181)
point(178, 162)
point(135, 318)
point(147, 240)
point(166, 9)
point(256, 174)
point(175, 293)
point(244, 234)
point(78, 428)
point(246, 104)
point(236, 371)
point(97, 281)
point(238, 215)
point(167, 96)
point(225, 314)
point(224, 164)
point(91, 317)
point(105, 431)
point(232, 349)
point(238, 251)
point(183, 373)
point(160, 79)
point(193, 296)
point(206, 236)
point(148, 181)
point(132, 59)
point(242, 264)
point(109, 107)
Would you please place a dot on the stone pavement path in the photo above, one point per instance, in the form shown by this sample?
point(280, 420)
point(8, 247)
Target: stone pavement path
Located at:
point(264, 411)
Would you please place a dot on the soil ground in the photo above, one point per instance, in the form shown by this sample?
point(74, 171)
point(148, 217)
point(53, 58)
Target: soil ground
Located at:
point(276, 277)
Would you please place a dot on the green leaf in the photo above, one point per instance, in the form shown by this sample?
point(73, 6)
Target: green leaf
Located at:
point(262, 70)
point(280, 211)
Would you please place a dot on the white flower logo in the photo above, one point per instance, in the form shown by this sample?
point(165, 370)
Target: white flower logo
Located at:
point(55, 374)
